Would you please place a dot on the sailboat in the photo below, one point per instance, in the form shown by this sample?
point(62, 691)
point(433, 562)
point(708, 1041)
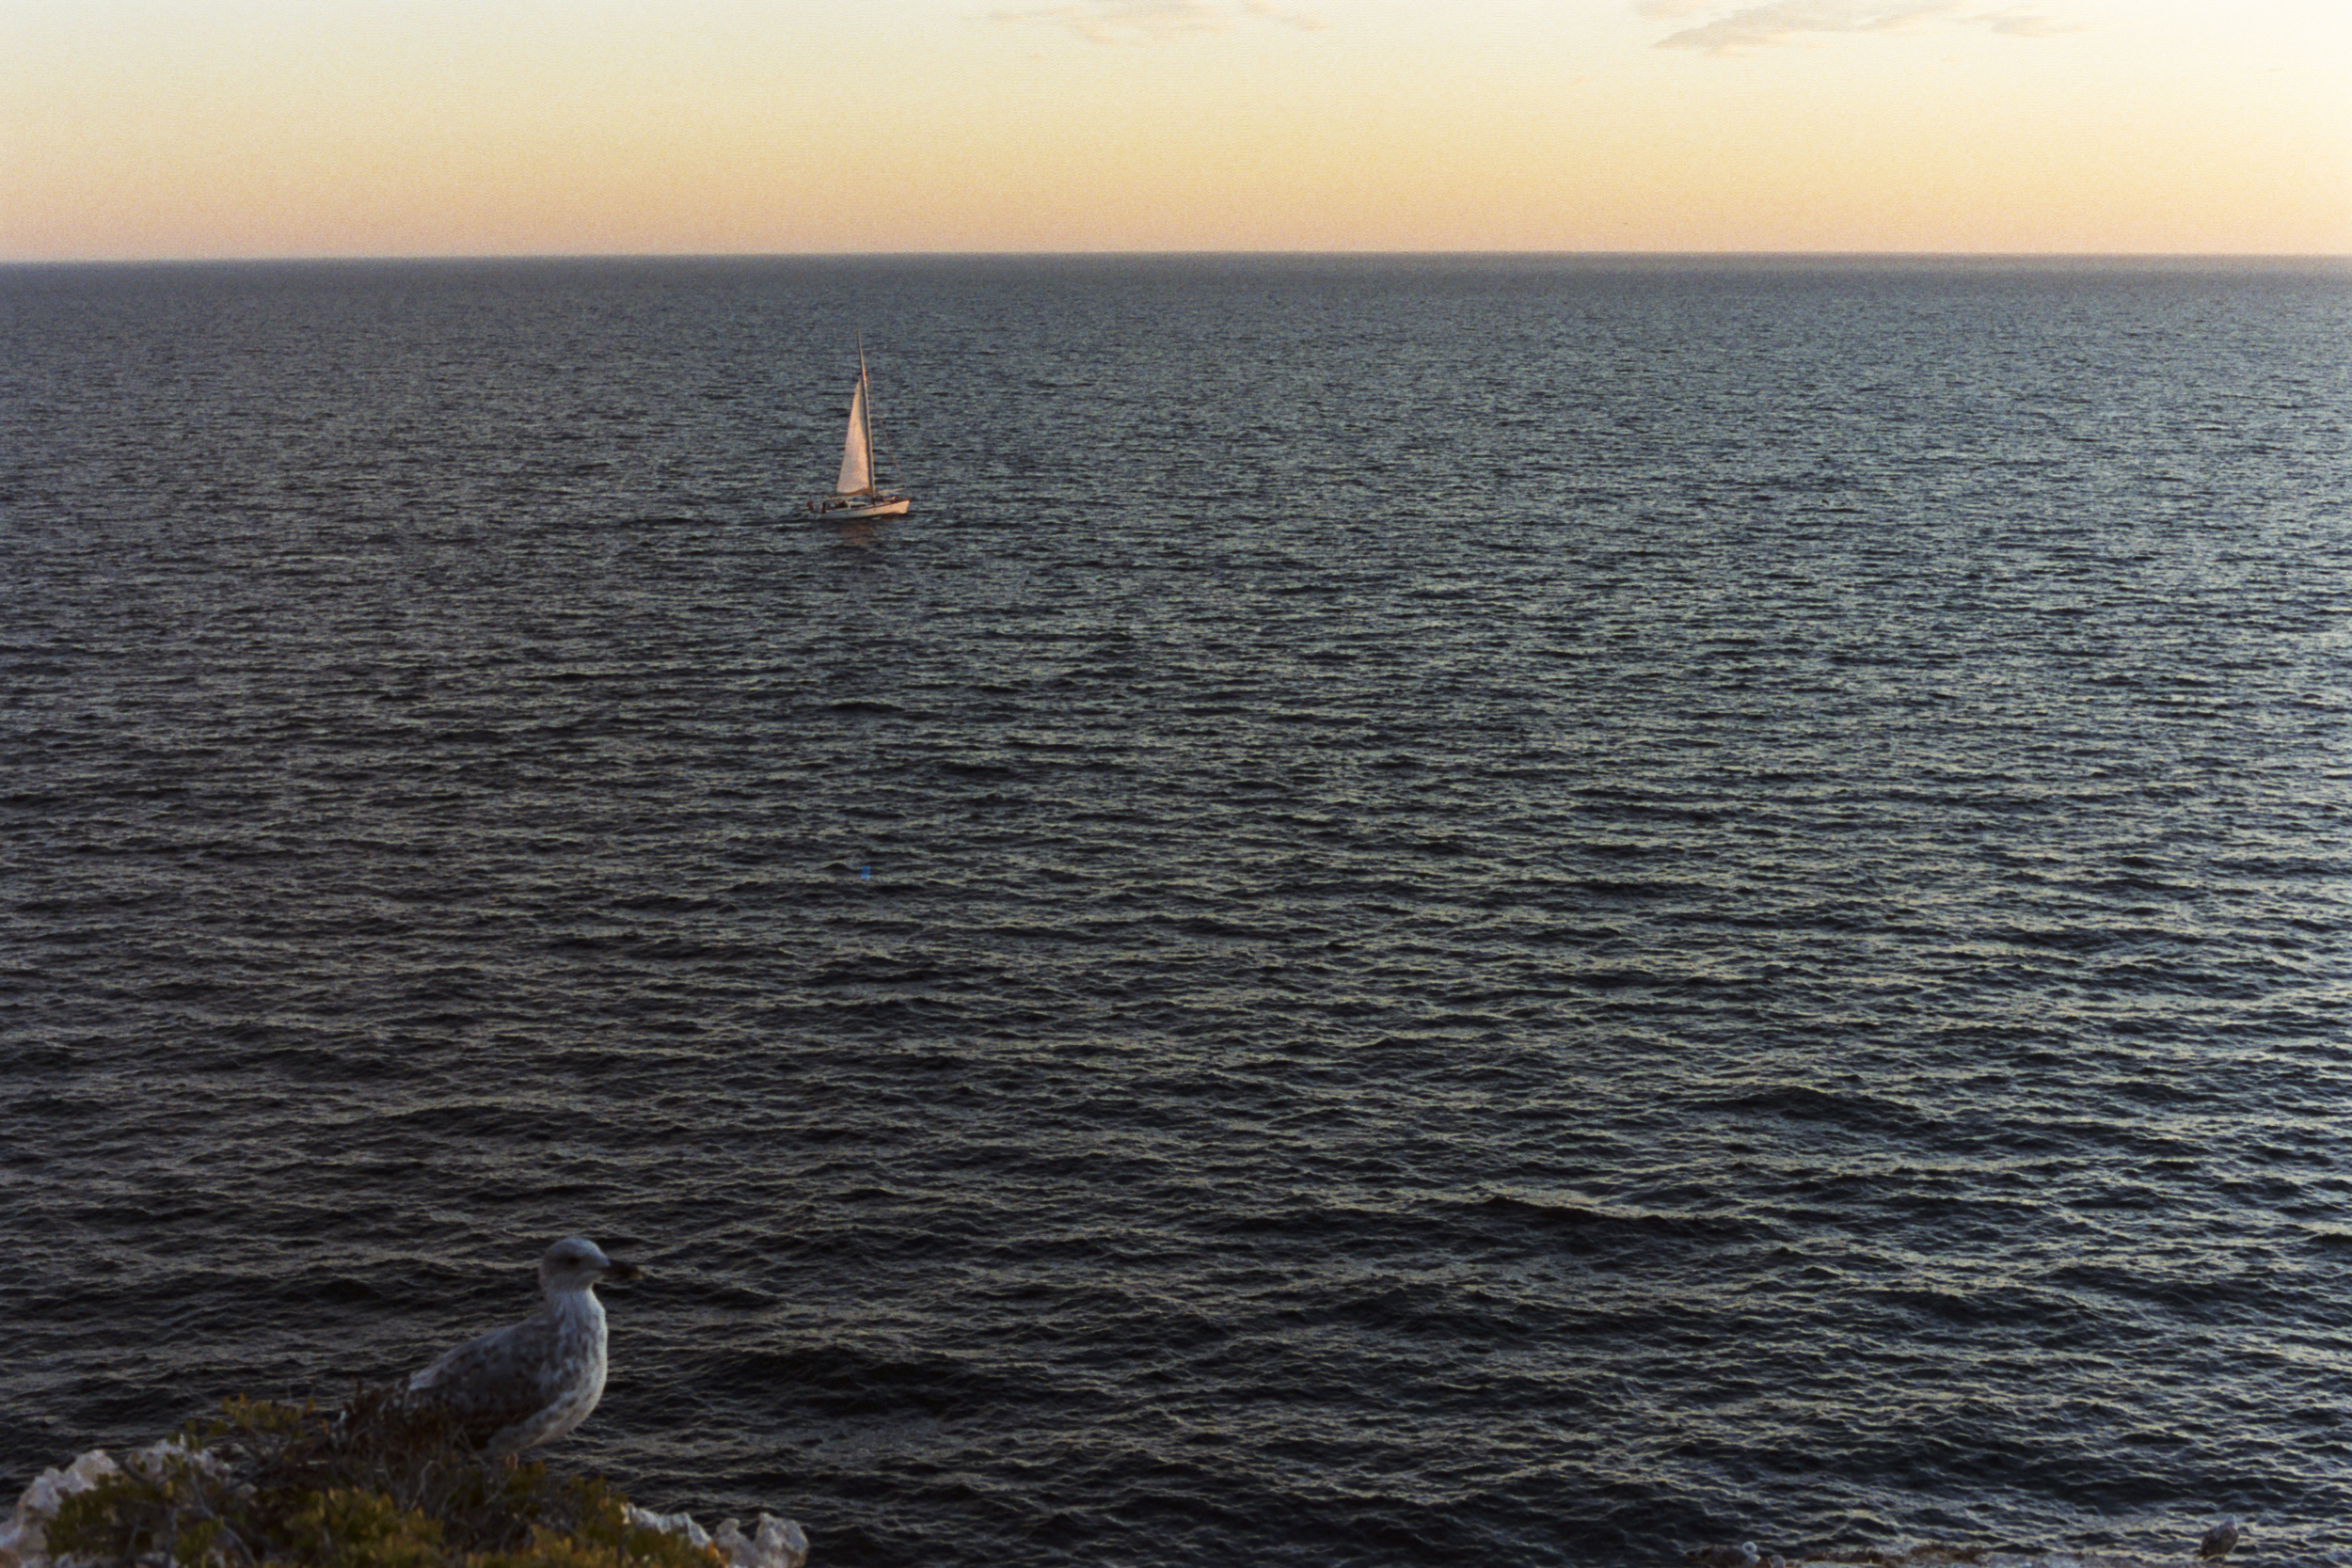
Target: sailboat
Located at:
point(855, 494)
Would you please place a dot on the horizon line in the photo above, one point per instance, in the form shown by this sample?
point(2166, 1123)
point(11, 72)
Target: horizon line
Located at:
point(461, 258)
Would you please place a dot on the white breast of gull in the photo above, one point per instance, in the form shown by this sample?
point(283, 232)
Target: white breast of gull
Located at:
point(532, 1383)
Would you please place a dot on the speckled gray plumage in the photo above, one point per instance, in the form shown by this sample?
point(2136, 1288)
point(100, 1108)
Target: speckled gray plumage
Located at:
point(532, 1382)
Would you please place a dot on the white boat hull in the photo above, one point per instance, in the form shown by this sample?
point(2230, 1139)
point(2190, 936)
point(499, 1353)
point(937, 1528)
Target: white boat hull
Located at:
point(850, 509)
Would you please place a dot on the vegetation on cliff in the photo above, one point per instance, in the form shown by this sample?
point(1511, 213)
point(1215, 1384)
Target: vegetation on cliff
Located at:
point(370, 1486)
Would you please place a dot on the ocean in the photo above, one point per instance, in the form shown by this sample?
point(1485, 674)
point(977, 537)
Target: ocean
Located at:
point(1501, 909)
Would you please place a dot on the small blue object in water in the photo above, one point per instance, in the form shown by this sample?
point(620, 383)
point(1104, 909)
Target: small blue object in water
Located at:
point(865, 873)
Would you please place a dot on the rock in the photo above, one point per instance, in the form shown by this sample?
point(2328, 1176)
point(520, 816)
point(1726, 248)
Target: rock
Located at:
point(773, 1544)
point(23, 1540)
point(2218, 1539)
point(1931, 1555)
point(1724, 1555)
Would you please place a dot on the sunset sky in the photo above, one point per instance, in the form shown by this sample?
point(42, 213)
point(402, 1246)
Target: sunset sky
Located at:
point(135, 128)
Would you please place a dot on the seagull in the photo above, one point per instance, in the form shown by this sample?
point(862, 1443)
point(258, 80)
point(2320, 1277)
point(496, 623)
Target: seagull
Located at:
point(2218, 1539)
point(531, 1383)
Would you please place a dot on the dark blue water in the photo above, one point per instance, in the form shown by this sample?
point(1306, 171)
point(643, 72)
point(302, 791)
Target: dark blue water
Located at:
point(1427, 911)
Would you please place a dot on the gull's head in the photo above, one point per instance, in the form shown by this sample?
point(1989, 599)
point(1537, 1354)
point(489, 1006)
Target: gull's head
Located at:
point(576, 1264)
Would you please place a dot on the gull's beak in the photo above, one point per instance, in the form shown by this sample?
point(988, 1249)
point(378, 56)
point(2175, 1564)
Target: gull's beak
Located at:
point(623, 1270)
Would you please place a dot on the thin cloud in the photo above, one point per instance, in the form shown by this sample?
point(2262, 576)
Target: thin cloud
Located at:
point(2026, 24)
point(1305, 22)
point(1147, 20)
point(1728, 29)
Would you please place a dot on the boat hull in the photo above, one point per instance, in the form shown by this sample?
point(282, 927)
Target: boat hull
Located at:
point(856, 511)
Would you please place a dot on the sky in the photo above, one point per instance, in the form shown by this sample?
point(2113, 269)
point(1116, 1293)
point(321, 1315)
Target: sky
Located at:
point(198, 128)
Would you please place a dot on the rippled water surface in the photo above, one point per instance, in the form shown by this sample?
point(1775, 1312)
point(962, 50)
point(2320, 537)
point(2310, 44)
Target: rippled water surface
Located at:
point(1426, 911)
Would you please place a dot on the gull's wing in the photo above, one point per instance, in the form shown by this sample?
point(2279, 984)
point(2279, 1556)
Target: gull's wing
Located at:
point(489, 1383)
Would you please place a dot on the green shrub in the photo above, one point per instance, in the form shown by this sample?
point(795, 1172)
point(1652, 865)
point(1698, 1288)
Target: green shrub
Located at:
point(374, 1486)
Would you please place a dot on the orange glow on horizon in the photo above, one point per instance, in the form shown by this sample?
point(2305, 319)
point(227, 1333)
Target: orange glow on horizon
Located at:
point(135, 129)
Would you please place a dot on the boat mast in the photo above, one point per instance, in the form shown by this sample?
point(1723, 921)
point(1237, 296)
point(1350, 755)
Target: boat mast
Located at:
point(865, 416)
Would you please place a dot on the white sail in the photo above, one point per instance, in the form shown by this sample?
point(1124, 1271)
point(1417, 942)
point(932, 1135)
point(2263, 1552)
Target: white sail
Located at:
point(857, 468)
point(857, 496)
